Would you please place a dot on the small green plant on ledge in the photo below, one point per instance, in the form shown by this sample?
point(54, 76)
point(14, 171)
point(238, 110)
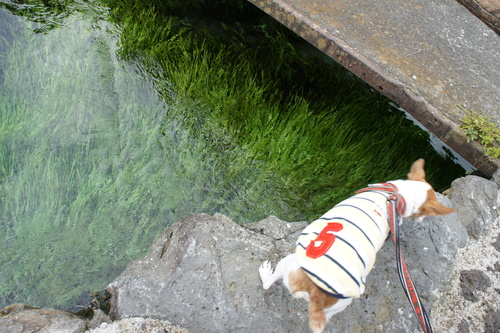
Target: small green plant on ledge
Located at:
point(480, 128)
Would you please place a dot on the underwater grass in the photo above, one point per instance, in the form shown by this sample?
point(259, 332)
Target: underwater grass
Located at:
point(94, 165)
point(58, 167)
point(323, 137)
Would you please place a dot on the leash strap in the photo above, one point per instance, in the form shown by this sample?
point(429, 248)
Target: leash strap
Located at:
point(396, 207)
point(404, 275)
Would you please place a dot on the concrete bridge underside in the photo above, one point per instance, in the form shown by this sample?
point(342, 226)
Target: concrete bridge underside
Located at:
point(430, 57)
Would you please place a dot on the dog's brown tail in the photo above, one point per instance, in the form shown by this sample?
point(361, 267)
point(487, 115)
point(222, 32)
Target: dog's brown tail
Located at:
point(318, 300)
point(317, 316)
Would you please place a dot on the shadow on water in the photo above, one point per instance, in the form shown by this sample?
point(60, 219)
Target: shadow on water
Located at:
point(116, 122)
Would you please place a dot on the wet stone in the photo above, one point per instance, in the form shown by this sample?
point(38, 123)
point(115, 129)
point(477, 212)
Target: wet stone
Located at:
point(472, 280)
point(18, 307)
point(41, 320)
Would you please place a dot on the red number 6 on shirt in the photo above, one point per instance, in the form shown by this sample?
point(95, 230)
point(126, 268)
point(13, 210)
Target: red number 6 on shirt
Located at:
point(324, 241)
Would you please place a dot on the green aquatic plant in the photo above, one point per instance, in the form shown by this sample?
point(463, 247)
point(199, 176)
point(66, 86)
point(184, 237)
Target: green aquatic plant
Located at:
point(321, 130)
point(46, 15)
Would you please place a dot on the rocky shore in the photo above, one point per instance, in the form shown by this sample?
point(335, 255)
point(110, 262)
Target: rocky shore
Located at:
point(201, 275)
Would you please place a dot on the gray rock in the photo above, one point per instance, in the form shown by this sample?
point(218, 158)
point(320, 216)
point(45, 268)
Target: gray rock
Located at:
point(138, 325)
point(98, 318)
point(496, 177)
point(42, 321)
point(492, 322)
point(472, 280)
point(430, 247)
point(202, 274)
point(475, 200)
point(464, 326)
point(496, 245)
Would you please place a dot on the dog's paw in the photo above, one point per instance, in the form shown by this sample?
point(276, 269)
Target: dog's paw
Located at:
point(265, 269)
point(265, 272)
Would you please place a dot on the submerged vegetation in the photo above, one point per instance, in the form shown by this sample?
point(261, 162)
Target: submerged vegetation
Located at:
point(46, 15)
point(129, 115)
point(323, 131)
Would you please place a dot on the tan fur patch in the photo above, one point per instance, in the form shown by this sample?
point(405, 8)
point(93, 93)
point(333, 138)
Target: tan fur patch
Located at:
point(432, 207)
point(318, 300)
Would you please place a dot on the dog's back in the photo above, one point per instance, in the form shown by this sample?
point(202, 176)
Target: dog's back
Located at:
point(338, 250)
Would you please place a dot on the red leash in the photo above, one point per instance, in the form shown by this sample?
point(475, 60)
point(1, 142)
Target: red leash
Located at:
point(396, 208)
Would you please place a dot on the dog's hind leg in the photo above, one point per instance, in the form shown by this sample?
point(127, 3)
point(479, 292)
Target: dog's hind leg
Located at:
point(338, 307)
point(282, 270)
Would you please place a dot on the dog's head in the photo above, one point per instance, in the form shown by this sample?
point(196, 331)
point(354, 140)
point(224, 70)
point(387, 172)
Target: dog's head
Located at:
point(420, 197)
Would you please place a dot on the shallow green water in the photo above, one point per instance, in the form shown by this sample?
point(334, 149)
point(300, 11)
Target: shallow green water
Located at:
point(99, 154)
point(93, 168)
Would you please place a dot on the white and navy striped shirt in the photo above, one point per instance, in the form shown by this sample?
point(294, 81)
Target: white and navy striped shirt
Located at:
point(342, 269)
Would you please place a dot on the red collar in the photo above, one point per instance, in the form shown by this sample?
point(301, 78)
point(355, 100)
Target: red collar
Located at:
point(394, 195)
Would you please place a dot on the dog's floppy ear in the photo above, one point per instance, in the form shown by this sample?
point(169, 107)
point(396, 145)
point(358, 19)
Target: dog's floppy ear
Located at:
point(417, 170)
point(432, 207)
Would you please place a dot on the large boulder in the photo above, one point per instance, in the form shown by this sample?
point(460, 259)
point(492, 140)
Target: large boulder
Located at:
point(475, 200)
point(202, 274)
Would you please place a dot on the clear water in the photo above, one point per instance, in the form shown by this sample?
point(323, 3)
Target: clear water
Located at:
point(88, 178)
point(94, 164)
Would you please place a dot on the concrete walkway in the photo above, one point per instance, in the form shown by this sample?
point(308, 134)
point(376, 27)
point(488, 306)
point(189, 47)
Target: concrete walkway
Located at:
point(427, 56)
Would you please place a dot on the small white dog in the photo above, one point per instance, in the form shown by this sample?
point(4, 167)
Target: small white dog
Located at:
point(335, 253)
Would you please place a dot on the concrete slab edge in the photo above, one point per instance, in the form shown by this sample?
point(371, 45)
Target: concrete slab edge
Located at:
point(438, 124)
point(476, 8)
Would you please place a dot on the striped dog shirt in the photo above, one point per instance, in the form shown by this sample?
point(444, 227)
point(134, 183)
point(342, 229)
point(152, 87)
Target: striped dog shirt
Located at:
point(337, 251)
